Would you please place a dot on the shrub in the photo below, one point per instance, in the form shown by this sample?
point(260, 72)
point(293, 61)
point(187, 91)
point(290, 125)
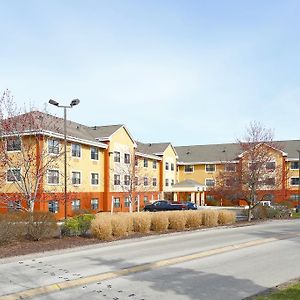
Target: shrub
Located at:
point(259, 212)
point(177, 220)
point(159, 221)
point(78, 225)
point(41, 225)
point(119, 225)
point(226, 217)
point(10, 227)
point(210, 217)
point(142, 222)
point(101, 227)
point(193, 219)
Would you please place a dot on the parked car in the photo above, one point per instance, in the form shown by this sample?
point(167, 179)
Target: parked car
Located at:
point(190, 205)
point(162, 205)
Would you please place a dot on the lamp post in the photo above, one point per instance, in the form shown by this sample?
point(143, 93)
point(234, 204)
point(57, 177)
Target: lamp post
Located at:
point(298, 203)
point(73, 103)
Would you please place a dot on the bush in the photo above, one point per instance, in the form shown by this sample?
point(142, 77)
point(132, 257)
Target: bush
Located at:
point(101, 227)
point(142, 222)
point(226, 217)
point(193, 219)
point(41, 225)
point(159, 221)
point(119, 225)
point(78, 225)
point(177, 220)
point(210, 217)
point(11, 227)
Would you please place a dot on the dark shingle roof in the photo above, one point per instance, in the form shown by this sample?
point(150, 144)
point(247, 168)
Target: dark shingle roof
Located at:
point(104, 132)
point(152, 148)
point(227, 152)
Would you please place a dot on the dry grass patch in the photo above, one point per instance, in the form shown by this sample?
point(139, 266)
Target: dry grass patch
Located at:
point(119, 224)
point(210, 217)
point(193, 218)
point(141, 222)
point(159, 221)
point(177, 220)
point(226, 217)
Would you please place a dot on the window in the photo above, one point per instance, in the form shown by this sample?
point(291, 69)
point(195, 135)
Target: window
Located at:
point(13, 144)
point(270, 166)
point(210, 168)
point(210, 182)
point(145, 163)
point(53, 177)
point(172, 182)
point(127, 202)
point(76, 150)
point(117, 180)
point(167, 166)
point(14, 205)
point(172, 167)
point(126, 158)
point(167, 182)
point(145, 199)
point(230, 167)
point(53, 146)
point(294, 197)
point(270, 181)
point(136, 180)
point(295, 181)
point(268, 197)
point(294, 165)
point(136, 162)
point(154, 164)
point(94, 153)
point(53, 206)
point(117, 156)
point(76, 204)
point(188, 169)
point(76, 178)
point(210, 197)
point(13, 175)
point(145, 181)
point(94, 203)
point(126, 179)
point(94, 178)
point(154, 181)
point(116, 202)
point(253, 166)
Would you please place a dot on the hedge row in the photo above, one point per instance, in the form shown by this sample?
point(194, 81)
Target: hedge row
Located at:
point(107, 226)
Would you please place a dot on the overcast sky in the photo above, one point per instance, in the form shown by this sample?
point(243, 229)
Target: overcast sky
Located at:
point(187, 72)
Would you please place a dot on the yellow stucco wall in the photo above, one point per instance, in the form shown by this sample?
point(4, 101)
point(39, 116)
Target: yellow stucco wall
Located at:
point(169, 156)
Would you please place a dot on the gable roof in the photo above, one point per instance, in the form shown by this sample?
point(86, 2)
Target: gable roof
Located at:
point(154, 148)
point(54, 126)
point(213, 153)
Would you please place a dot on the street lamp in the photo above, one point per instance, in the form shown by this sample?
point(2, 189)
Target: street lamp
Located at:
point(298, 205)
point(73, 103)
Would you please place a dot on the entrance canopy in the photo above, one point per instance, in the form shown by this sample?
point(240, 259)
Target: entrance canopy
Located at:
point(188, 186)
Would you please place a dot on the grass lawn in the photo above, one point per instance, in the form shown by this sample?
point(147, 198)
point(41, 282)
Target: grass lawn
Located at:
point(296, 215)
point(290, 293)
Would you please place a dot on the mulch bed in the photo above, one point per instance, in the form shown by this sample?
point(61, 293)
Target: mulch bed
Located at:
point(23, 247)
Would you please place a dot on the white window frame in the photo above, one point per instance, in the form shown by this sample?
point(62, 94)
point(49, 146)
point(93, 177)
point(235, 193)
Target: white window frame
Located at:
point(12, 181)
point(126, 201)
point(56, 170)
point(77, 206)
point(167, 167)
point(80, 150)
point(126, 179)
point(11, 151)
point(210, 179)
point(209, 165)
point(92, 173)
point(94, 200)
point(172, 166)
point(294, 162)
point(154, 180)
point(192, 171)
point(117, 156)
point(271, 170)
point(294, 177)
point(166, 181)
point(95, 153)
point(146, 163)
point(154, 164)
point(80, 177)
point(117, 200)
point(53, 147)
point(55, 206)
point(119, 180)
point(127, 161)
point(230, 164)
point(146, 181)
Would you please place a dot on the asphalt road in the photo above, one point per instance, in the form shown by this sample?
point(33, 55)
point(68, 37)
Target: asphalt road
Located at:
point(222, 263)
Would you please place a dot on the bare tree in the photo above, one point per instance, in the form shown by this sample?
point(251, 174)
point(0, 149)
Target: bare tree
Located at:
point(25, 157)
point(256, 174)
